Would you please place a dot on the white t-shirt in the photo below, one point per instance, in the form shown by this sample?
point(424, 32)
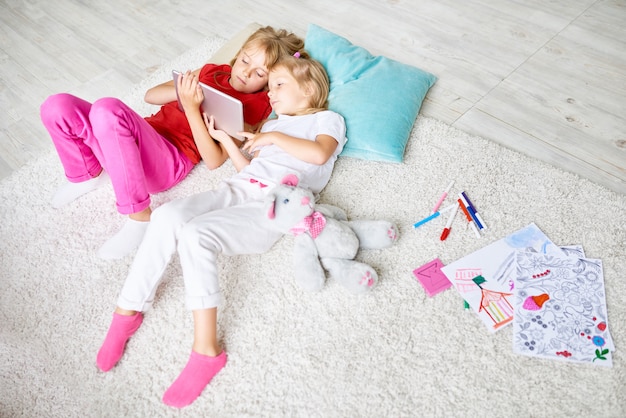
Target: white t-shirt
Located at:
point(273, 163)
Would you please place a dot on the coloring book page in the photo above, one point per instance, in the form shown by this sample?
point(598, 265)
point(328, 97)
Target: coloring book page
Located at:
point(560, 309)
point(486, 278)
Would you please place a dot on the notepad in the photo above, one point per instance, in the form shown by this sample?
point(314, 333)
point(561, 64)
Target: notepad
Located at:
point(432, 278)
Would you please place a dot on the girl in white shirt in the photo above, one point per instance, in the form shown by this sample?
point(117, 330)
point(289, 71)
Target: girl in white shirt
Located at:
point(305, 139)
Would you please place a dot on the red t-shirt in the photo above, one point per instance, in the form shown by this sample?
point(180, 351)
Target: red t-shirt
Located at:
point(172, 123)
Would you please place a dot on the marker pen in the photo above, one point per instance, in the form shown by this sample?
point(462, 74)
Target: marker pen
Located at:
point(464, 209)
point(470, 209)
point(433, 216)
point(476, 214)
point(446, 230)
point(443, 196)
point(427, 219)
point(470, 221)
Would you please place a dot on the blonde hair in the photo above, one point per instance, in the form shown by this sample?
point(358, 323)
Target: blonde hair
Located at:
point(310, 75)
point(275, 43)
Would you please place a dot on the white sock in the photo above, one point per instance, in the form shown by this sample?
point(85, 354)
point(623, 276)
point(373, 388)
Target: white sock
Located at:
point(72, 191)
point(127, 239)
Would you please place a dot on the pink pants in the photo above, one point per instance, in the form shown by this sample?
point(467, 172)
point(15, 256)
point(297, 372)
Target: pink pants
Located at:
point(110, 135)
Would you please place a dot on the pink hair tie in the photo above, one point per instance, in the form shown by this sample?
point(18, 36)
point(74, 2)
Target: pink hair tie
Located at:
point(297, 55)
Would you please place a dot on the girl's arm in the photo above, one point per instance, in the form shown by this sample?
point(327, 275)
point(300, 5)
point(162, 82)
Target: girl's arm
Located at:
point(313, 152)
point(229, 144)
point(164, 92)
point(191, 96)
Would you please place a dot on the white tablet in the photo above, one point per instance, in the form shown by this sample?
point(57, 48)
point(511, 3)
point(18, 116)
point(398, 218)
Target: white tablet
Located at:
point(227, 111)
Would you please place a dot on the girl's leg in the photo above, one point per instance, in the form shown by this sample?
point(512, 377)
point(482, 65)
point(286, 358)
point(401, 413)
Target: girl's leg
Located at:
point(205, 361)
point(66, 118)
point(139, 161)
point(160, 243)
point(235, 230)
point(205, 332)
point(147, 268)
point(231, 231)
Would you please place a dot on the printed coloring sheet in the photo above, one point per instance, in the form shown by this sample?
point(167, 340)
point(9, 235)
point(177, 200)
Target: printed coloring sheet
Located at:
point(486, 278)
point(560, 309)
point(554, 296)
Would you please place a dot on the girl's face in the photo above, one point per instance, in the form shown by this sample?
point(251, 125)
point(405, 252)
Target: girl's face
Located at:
point(287, 97)
point(249, 73)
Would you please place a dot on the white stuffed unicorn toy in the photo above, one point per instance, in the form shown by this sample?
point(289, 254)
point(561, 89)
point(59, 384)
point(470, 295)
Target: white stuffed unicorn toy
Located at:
point(324, 239)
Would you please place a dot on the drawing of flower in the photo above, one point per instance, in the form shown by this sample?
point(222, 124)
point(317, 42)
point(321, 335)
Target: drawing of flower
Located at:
point(597, 340)
point(537, 263)
point(577, 320)
point(601, 355)
point(561, 274)
point(567, 294)
point(532, 263)
point(536, 334)
point(592, 276)
point(588, 291)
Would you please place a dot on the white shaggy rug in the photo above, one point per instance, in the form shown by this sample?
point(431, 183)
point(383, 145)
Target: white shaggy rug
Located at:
point(394, 352)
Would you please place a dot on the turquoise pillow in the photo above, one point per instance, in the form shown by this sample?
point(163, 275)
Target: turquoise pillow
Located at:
point(378, 97)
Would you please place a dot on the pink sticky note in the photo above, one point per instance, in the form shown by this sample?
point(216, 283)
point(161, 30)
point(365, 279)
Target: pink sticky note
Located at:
point(432, 278)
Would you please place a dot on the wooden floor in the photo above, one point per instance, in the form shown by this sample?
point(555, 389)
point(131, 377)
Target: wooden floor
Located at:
point(544, 78)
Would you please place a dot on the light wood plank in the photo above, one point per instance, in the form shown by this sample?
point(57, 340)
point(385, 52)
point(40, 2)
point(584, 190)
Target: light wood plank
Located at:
point(569, 103)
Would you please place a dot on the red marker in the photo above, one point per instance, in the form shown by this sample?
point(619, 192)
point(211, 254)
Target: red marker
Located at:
point(470, 221)
point(464, 209)
point(446, 230)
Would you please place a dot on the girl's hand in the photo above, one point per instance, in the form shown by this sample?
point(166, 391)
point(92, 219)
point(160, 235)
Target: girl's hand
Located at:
point(189, 91)
point(217, 134)
point(228, 143)
point(256, 140)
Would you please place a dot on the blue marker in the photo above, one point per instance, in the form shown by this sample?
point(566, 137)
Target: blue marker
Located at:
point(429, 218)
point(434, 215)
point(474, 213)
point(474, 216)
point(469, 202)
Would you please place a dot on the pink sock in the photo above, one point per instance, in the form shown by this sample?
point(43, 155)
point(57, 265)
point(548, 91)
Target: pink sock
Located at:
point(196, 375)
point(121, 329)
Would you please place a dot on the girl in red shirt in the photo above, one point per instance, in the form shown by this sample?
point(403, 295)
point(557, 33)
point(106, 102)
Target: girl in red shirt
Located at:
point(141, 156)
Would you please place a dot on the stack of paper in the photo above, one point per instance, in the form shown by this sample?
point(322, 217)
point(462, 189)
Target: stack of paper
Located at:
point(553, 296)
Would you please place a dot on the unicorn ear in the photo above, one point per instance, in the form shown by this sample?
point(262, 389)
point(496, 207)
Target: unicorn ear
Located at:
point(290, 180)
